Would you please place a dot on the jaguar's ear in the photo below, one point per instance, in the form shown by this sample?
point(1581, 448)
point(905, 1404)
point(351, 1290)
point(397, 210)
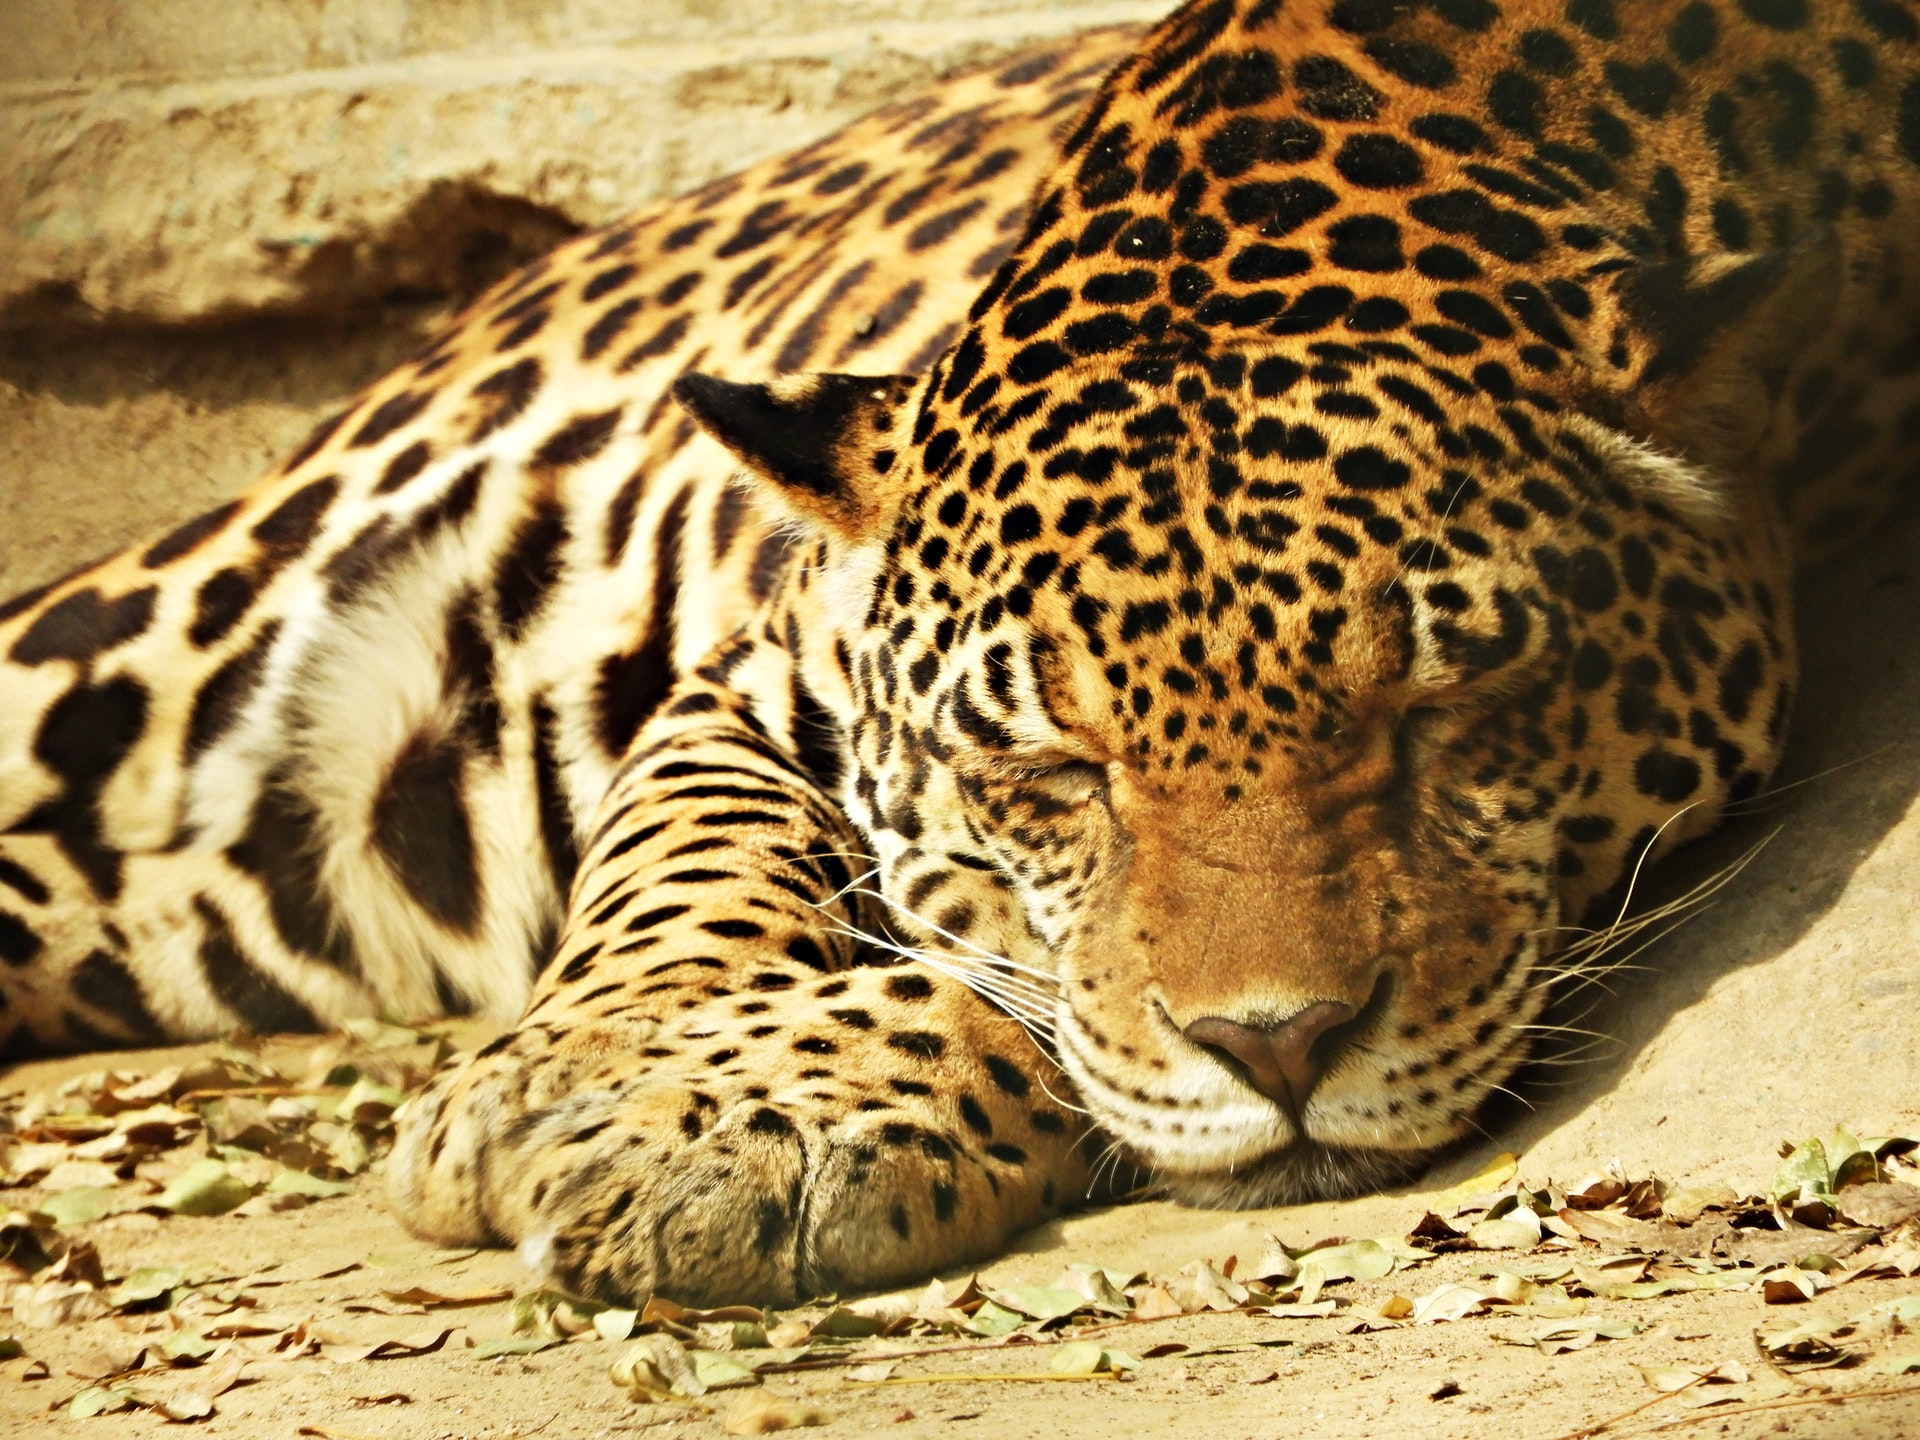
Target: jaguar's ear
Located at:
point(1725, 331)
point(824, 442)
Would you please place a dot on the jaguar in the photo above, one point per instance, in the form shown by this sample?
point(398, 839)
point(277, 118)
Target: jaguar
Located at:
point(1131, 603)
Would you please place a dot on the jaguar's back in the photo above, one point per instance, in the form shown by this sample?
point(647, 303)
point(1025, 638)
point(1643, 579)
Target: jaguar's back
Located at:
point(285, 764)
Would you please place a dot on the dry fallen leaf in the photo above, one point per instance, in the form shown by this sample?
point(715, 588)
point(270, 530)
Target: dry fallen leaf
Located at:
point(1559, 1337)
point(655, 1368)
point(1669, 1378)
point(421, 1342)
point(1449, 1302)
point(40, 1307)
point(448, 1299)
point(1881, 1205)
point(1201, 1287)
point(1518, 1229)
point(1153, 1302)
point(1790, 1286)
point(759, 1413)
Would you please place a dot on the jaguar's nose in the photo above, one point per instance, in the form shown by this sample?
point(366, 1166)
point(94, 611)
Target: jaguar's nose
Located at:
point(1286, 1061)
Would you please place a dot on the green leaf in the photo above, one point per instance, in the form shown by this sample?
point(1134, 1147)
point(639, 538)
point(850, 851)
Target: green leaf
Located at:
point(1904, 1308)
point(991, 1319)
point(346, 1151)
point(11, 1348)
point(187, 1345)
point(145, 1285)
point(1355, 1260)
point(78, 1205)
point(205, 1188)
point(1079, 1357)
point(719, 1371)
point(1040, 1302)
point(380, 1035)
point(369, 1102)
point(288, 1181)
point(522, 1345)
point(98, 1400)
point(844, 1324)
point(552, 1313)
point(1805, 1170)
point(1859, 1168)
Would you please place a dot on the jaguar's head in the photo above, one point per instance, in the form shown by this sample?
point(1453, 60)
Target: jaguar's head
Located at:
point(1280, 708)
point(1303, 588)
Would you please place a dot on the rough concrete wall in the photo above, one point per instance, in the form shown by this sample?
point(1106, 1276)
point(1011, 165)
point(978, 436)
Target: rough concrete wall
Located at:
point(220, 217)
point(192, 160)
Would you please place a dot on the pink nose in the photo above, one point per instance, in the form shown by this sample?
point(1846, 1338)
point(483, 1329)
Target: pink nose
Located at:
point(1284, 1062)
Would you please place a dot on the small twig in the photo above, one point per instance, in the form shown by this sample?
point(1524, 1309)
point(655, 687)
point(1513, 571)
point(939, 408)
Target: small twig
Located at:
point(961, 1378)
point(854, 1357)
point(1587, 1431)
point(1766, 1359)
point(1790, 1402)
point(246, 1091)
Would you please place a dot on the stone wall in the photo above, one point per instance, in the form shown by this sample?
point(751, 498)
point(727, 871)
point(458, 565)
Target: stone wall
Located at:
point(219, 217)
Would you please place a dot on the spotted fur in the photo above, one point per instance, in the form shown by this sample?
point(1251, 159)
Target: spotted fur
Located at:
point(1351, 525)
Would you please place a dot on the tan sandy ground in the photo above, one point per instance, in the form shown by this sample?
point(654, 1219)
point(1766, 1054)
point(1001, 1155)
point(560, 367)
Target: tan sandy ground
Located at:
point(337, 1264)
point(1785, 1009)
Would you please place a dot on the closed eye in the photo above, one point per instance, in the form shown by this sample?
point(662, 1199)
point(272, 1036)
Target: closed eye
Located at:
point(1067, 778)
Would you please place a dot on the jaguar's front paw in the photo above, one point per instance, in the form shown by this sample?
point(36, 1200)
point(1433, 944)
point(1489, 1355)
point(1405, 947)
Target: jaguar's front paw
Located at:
point(875, 1128)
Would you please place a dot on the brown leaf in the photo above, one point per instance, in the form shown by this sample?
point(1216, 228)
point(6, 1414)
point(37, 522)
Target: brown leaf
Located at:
point(436, 1299)
point(1881, 1204)
point(299, 1275)
point(1596, 1192)
point(222, 1374)
point(1436, 1233)
point(1152, 1302)
point(104, 1364)
point(1685, 1206)
point(371, 1306)
point(1643, 1199)
point(125, 1091)
point(239, 1120)
point(1615, 1231)
point(1789, 1287)
point(1764, 1248)
point(421, 1342)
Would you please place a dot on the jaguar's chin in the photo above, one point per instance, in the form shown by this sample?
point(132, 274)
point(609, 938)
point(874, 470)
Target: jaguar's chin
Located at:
point(1302, 1171)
